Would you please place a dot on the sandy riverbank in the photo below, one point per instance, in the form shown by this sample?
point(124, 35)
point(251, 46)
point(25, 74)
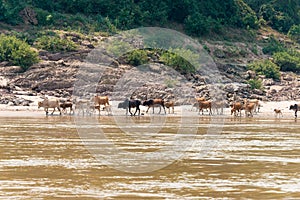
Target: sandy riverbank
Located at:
point(266, 109)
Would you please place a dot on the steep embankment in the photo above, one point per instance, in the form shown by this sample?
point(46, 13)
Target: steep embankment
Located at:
point(56, 73)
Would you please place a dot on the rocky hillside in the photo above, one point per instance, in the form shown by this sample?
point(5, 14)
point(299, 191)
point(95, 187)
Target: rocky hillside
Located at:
point(56, 74)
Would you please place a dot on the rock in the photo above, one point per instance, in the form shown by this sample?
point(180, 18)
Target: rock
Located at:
point(55, 56)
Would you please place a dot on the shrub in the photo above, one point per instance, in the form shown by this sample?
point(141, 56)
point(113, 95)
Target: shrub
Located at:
point(17, 52)
point(294, 33)
point(288, 61)
point(137, 57)
point(267, 68)
point(182, 61)
point(255, 84)
point(196, 24)
point(55, 44)
point(273, 46)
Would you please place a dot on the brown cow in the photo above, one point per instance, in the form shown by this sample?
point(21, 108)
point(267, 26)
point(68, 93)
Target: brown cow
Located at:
point(278, 113)
point(249, 109)
point(205, 105)
point(257, 104)
point(101, 100)
point(236, 107)
point(169, 105)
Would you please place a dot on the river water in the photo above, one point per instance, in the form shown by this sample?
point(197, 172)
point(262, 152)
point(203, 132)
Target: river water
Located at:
point(251, 158)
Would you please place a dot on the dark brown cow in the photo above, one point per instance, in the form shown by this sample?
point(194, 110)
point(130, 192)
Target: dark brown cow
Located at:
point(153, 102)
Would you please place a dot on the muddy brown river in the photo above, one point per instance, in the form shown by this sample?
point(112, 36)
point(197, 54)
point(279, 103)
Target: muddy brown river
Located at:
point(249, 158)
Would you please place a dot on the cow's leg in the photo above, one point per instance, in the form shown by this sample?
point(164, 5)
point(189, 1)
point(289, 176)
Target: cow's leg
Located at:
point(59, 110)
point(130, 110)
point(296, 113)
point(53, 111)
point(164, 108)
point(46, 111)
point(159, 109)
point(148, 109)
point(138, 109)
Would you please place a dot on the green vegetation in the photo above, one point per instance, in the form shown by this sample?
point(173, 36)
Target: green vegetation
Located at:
point(294, 33)
point(231, 20)
point(17, 52)
point(288, 60)
point(183, 61)
point(55, 44)
point(273, 46)
point(267, 68)
point(255, 84)
point(137, 57)
point(200, 17)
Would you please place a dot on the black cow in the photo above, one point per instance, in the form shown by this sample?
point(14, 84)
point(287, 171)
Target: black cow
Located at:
point(296, 108)
point(132, 103)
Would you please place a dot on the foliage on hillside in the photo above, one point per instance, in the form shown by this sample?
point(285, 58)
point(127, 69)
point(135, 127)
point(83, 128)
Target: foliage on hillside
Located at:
point(199, 17)
point(17, 52)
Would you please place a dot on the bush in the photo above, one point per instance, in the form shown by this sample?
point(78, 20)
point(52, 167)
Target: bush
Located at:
point(294, 33)
point(137, 57)
point(267, 68)
point(55, 44)
point(288, 61)
point(196, 24)
point(255, 84)
point(17, 52)
point(179, 60)
point(273, 46)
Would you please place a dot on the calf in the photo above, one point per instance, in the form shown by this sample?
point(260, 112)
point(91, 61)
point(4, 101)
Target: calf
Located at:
point(83, 106)
point(66, 104)
point(169, 105)
point(278, 113)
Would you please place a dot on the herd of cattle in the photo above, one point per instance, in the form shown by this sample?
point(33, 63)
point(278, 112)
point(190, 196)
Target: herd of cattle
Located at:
point(101, 103)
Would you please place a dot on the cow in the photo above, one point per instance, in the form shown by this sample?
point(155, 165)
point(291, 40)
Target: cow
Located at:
point(49, 103)
point(249, 109)
point(153, 102)
point(169, 105)
point(205, 105)
point(257, 104)
point(295, 107)
point(132, 103)
point(278, 113)
point(236, 107)
point(66, 104)
point(83, 106)
point(101, 100)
